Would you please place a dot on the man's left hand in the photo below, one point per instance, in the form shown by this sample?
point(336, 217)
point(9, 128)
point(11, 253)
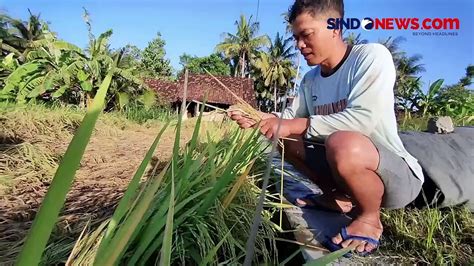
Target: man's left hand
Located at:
point(269, 126)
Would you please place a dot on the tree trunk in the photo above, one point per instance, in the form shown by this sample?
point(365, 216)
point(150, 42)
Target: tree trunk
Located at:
point(242, 73)
point(81, 100)
point(88, 100)
point(184, 110)
point(275, 97)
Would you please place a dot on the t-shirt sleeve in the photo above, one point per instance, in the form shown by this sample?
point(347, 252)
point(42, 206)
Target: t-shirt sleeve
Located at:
point(371, 93)
point(298, 107)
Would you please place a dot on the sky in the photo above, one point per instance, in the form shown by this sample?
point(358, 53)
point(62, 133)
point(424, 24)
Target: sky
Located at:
point(195, 27)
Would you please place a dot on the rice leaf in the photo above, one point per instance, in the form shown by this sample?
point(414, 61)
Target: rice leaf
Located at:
point(331, 257)
point(153, 247)
point(237, 185)
point(214, 250)
point(131, 191)
point(118, 243)
point(168, 236)
point(155, 225)
point(226, 177)
point(283, 263)
point(61, 183)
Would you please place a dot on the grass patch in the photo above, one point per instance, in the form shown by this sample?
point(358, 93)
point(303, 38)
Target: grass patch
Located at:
point(436, 236)
point(429, 235)
point(141, 114)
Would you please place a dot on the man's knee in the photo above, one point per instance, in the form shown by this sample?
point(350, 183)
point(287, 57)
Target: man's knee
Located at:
point(348, 151)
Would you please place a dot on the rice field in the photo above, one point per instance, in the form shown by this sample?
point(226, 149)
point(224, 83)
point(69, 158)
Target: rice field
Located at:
point(206, 174)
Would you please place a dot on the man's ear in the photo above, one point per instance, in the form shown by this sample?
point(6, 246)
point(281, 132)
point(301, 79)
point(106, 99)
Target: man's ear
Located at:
point(336, 33)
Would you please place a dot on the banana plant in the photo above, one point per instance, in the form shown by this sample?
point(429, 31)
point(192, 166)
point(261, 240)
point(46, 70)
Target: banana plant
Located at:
point(57, 67)
point(428, 100)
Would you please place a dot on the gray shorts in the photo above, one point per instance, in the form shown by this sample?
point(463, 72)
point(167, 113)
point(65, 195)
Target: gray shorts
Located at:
point(401, 186)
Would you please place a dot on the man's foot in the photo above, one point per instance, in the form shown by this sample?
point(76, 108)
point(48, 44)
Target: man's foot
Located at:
point(364, 227)
point(334, 202)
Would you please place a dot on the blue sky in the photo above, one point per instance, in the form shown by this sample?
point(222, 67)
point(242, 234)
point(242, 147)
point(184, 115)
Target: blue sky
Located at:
point(195, 27)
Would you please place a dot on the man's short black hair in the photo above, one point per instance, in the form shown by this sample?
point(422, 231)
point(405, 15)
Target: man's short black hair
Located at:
point(314, 7)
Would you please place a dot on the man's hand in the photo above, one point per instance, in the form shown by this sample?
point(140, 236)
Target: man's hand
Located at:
point(245, 122)
point(242, 121)
point(269, 127)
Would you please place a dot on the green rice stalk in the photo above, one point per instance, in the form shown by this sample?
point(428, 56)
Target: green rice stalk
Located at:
point(289, 258)
point(168, 234)
point(157, 222)
point(237, 186)
point(195, 176)
point(125, 202)
point(214, 250)
point(61, 183)
point(118, 243)
point(331, 257)
point(281, 182)
point(226, 177)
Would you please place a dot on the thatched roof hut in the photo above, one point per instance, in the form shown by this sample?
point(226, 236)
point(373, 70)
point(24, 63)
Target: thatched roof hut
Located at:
point(199, 85)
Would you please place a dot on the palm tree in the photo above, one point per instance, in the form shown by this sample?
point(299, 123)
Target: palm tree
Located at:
point(353, 39)
point(408, 70)
point(243, 44)
point(467, 79)
point(286, 21)
point(276, 66)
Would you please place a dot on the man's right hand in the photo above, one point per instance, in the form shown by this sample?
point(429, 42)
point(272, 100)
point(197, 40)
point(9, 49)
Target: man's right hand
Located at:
point(242, 121)
point(245, 122)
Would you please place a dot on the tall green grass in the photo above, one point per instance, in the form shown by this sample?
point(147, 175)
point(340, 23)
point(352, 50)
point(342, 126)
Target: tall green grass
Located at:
point(435, 236)
point(141, 114)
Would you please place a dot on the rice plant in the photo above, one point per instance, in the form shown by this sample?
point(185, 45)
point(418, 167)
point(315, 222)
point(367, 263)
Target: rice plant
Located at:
point(177, 216)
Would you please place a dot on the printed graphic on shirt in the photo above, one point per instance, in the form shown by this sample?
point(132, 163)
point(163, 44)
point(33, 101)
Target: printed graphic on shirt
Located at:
point(331, 108)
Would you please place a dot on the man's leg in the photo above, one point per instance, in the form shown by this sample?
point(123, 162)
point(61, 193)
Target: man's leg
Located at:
point(353, 158)
point(295, 153)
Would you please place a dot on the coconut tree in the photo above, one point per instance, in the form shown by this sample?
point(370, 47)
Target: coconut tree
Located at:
point(467, 79)
point(408, 70)
point(243, 44)
point(276, 66)
point(17, 35)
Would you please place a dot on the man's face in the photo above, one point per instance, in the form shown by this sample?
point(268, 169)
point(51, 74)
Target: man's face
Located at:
point(313, 38)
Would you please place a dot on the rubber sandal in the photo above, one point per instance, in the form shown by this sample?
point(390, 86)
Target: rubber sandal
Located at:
point(331, 246)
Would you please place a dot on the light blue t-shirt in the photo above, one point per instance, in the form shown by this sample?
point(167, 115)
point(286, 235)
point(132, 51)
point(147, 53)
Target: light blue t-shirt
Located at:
point(357, 97)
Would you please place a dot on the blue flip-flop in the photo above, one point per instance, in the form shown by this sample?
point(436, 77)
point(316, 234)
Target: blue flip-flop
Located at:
point(345, 236)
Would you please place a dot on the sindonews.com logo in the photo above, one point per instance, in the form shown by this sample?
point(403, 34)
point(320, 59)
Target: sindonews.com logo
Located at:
point(369, 24)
